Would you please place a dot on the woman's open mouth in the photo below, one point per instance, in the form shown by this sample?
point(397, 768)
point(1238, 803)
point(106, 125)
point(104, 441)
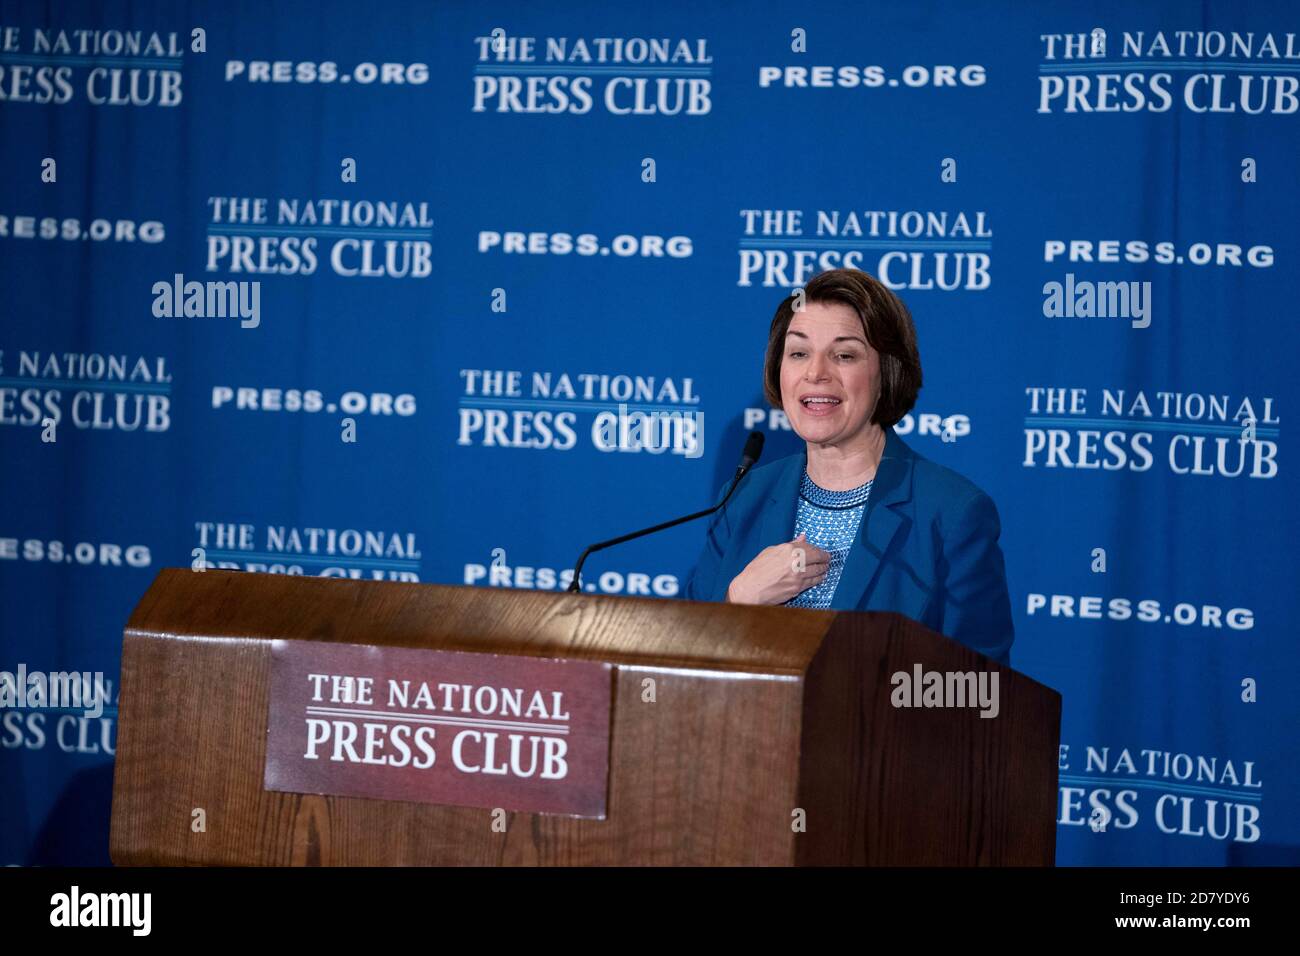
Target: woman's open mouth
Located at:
point(819, 404)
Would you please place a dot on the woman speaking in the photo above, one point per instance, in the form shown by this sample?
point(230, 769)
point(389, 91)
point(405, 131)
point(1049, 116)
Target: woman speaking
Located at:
point(857, 521)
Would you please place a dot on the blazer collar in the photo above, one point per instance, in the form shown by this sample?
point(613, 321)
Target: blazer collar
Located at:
point(881, 522)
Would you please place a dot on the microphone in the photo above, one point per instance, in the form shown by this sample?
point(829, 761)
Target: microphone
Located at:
point(753, 451)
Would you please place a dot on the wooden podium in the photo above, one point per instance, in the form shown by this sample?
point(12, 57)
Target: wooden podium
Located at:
point(771, 738)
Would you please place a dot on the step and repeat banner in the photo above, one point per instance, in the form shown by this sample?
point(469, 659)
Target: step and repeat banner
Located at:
point(444, 291)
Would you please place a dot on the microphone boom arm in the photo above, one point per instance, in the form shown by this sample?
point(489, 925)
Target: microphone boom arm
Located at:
point(575, 585)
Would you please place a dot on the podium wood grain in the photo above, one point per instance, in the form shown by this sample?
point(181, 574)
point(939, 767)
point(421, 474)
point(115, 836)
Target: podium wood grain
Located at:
point(758, 712)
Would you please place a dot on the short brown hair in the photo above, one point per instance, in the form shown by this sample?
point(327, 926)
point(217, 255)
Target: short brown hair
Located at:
point(888, 328)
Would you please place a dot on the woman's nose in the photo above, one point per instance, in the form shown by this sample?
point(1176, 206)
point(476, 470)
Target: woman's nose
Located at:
point(816, 369)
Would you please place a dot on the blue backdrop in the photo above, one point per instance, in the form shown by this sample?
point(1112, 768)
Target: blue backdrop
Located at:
point(466, 235)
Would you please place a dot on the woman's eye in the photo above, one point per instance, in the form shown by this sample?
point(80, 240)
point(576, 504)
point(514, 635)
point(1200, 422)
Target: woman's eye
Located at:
point(794, 355)
point(846, 355)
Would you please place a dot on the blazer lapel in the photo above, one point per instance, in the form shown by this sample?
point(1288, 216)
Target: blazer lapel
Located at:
point(783, 504)
point(881, 524)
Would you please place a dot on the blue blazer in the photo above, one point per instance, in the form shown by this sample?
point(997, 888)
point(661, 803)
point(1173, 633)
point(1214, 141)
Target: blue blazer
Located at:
point(927, 546)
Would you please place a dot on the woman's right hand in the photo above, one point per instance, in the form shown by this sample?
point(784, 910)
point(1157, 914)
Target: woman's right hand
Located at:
point(779, 573)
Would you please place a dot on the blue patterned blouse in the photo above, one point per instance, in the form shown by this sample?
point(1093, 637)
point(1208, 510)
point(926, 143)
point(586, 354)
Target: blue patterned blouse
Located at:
point(830, 519)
